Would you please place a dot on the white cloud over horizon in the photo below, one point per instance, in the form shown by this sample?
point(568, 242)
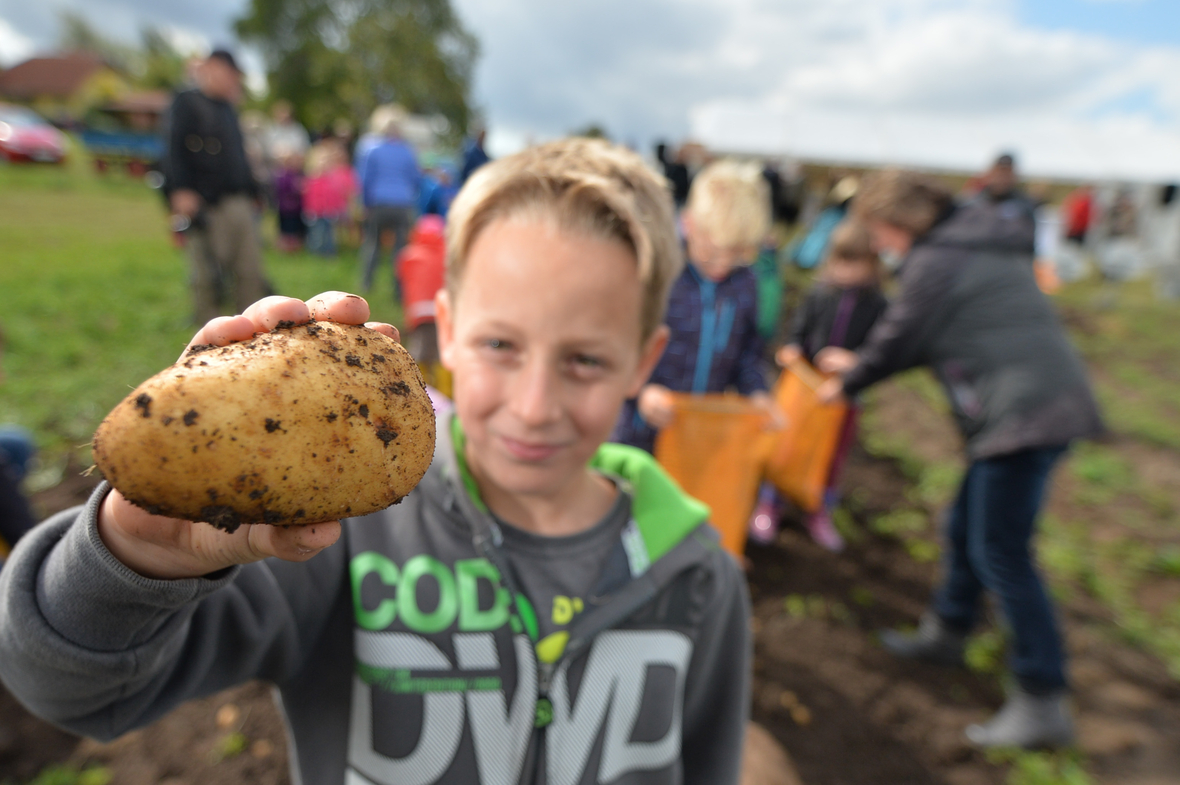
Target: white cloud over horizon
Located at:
point(930, 82)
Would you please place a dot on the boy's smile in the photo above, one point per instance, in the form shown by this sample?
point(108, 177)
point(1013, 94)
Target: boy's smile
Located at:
point(544, 343)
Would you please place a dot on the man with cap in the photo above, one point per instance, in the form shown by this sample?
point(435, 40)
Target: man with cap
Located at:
point(1001, 187)
point(212, 191)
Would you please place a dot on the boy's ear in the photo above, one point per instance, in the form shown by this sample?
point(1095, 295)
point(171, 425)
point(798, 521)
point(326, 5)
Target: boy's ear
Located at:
point(445, 324)
point(653, 349)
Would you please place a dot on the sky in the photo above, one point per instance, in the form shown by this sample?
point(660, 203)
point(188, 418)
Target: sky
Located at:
point(1075, 87)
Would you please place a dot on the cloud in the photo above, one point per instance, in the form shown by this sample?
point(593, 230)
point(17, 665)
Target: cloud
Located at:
point(14, 46)
point(658, 68)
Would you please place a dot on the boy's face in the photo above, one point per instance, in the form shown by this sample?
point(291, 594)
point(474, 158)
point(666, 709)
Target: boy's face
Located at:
point(714, 261)
point(850, 271)
point(544, 344)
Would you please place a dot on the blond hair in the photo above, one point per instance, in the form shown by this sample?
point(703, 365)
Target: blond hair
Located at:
point(729, 202)
point(908, 200)
point(588, 186)
point(321, 157)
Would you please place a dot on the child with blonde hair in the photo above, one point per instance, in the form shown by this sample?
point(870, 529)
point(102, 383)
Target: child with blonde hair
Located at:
point(327, 194)
point(713, 344)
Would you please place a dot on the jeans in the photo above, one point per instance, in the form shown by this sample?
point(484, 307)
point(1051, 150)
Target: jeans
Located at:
point(989, 532)
point(378, 220)
point(321, 236)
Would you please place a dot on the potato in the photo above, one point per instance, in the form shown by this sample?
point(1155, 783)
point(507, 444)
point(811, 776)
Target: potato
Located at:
point(307, 423)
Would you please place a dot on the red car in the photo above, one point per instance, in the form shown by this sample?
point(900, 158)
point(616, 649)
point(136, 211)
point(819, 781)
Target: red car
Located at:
point(25, 136)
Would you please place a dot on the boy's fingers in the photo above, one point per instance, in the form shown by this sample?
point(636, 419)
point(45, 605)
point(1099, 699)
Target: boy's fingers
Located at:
point(269, 311)
point(224, 330)
point(294, 543)
point(385, 329)
point(339, 307)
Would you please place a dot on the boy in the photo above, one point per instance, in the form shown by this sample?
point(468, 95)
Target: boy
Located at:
point(542, 608)
point(714, 343)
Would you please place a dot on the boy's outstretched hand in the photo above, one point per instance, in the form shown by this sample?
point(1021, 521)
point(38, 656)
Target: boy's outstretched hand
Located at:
point(170, 548)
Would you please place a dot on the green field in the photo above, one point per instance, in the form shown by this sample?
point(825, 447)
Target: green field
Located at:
point(98, 299)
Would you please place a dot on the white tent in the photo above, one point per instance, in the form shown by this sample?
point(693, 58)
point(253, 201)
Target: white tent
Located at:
point(1115, 149)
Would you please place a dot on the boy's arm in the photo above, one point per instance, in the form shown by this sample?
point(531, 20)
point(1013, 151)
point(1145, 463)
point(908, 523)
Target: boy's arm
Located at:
point(92, 646)
point(717, 690)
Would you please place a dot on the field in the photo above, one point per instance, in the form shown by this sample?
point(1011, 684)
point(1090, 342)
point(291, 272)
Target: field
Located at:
point(97, 301)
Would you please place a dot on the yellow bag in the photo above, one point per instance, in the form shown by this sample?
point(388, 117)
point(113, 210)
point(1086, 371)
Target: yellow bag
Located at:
point(800, 459)
point(710, 449)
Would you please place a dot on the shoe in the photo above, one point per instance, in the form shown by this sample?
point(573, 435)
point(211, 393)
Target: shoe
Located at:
point(933, 642)
point(764, 523)
point(823, 531)
point(1028, 721)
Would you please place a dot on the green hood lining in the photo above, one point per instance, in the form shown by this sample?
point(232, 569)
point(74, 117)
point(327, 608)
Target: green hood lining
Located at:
point(663, 512)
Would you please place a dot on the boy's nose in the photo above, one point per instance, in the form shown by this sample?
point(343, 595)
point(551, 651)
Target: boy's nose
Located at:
point(534, 398)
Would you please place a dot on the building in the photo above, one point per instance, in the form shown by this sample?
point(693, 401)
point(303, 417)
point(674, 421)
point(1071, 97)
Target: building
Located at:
point(63, 88)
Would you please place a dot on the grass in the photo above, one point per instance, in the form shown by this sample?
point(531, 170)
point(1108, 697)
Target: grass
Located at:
point(97, 298)
point(1135, 339)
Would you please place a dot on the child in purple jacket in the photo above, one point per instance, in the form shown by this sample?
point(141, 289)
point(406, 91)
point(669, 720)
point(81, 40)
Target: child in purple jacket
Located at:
point(288, 187)
point(712, 314)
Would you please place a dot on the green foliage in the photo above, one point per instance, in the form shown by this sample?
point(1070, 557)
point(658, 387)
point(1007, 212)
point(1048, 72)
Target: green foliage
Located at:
point(846, 525)
point(815, 606)
point(937, 484)
point(341, 58)
point(862, 597)
point(985, 652)
point(1042, 768)
point(154, 64)
point(73, 775)
point(230, 746)
point(925, 551)
point(1104, 473)
point(923, 382)
point(900, 523)
point(592, 131)
point(1134, 339)
point(1167, 561)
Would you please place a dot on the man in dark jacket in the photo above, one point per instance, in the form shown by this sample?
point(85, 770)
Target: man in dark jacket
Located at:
point(213, 193)
point(969, 308)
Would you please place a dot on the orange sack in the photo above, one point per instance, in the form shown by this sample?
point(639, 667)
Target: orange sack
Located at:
point(800, 458)
point(711, 450)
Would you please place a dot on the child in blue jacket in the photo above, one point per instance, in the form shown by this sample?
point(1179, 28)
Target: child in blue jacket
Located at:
point(714, 344)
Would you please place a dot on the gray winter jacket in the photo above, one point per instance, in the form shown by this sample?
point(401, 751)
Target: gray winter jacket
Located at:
point(387, 675)
point(969, 307)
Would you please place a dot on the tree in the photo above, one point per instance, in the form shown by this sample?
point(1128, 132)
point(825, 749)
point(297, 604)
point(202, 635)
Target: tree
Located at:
point(341, 58)
point(161, 65)
point(155, 64)
point(78, 35)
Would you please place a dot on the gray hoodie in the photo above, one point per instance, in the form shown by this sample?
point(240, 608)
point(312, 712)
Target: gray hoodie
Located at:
point(968, 306)
point(400, 654)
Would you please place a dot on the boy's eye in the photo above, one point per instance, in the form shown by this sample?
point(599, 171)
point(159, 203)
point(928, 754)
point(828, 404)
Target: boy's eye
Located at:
point(587, 361)
point(496, 343)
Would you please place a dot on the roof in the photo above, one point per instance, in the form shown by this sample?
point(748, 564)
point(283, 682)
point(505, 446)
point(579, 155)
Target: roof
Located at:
point(147, 102)
point(54, 77)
